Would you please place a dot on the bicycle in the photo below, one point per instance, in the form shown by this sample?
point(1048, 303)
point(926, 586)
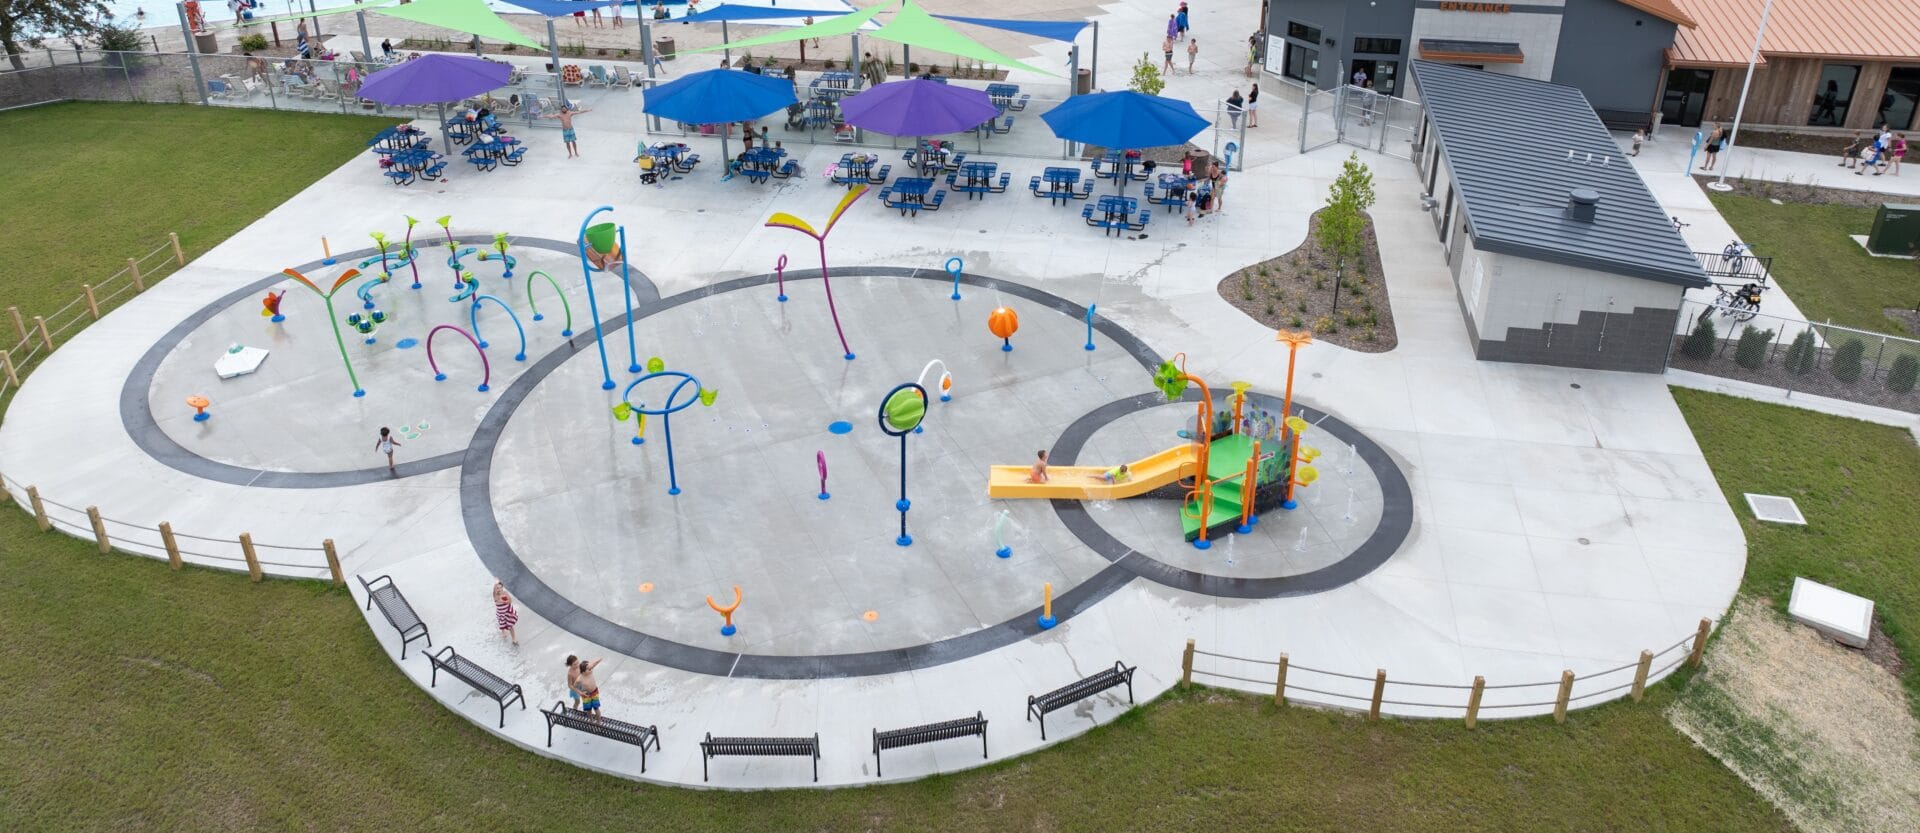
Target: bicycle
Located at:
point(1739, 302)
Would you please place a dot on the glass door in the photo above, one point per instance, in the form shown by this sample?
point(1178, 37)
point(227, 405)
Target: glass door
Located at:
point(1303, 64)
point(1685, 98)
point(1901, 99)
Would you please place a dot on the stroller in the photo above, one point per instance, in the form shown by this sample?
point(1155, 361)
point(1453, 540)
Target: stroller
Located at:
point(796, 116)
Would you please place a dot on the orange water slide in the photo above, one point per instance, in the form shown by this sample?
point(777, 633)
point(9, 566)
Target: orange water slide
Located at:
point(1085, 482)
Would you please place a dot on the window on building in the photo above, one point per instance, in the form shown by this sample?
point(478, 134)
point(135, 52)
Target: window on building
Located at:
point(1833, 95)
point(1377, 46)
point(1303, 64)
point(1301, 31)
point(1901, 98)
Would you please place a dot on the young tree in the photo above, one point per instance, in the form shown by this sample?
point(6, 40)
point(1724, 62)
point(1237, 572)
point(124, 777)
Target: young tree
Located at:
point(1146, 76)
point(1343, 221)
point(22, 21)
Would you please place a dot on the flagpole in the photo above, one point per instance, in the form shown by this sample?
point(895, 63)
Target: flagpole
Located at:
point(1752, 59)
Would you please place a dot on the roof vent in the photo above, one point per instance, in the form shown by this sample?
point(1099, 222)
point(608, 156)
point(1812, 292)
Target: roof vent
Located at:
point(1581, 204)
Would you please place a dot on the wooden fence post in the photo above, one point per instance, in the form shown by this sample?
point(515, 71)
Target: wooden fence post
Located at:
point(93, 304)
point(46, 338)
point(13, 374)
point(133, 271)
point(99, 530)
point(179, 257)
point(173, 547)
point(1280, 683)
point(1560, 700)
point(19, 324)
point(1640, 675)
point(1186, 665)
point(1473, 700)
point(39, 510)
point(1699, 641)
point(1379, 690)
point(253, 558)
point(333, 562)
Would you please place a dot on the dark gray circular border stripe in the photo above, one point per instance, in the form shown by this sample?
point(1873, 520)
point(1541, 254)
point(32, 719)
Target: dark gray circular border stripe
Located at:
point(136, 407)
point(483, 530)
point(1396, 512)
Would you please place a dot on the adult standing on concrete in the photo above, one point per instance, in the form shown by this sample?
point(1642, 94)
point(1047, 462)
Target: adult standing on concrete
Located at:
point(1234, 105)
point(1359, 77)
point(1715, 140)
point(1180, 20)
point(1253, 107)
point(1253, 52)
point(1166, 52)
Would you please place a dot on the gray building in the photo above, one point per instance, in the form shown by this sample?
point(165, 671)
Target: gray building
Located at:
point(1612, 50)
point(1559, 253)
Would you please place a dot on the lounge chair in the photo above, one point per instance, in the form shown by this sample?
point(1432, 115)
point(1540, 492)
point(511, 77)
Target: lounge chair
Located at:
point(597, 76)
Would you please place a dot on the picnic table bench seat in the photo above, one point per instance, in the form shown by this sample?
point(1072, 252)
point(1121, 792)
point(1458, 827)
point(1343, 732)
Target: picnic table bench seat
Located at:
point(1041, 704)
point(1020, 103)
point(593, 724)
point(467, 671)
point(400, 177)
point(714, 747)
point(928, 733)
point(398, 613)
point(513, 157)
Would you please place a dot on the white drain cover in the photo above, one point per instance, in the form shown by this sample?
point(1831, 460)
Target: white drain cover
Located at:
point(1776, 509)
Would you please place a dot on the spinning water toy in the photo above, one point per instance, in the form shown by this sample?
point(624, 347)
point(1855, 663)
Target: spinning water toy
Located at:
point(270, 306)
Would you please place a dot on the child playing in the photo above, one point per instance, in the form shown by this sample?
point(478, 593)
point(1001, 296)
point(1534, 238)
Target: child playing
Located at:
point(1114, 475)
point(566, 114)
point(1039, 473)
point(588, 687)
point(385, 445)
point(1639, 136)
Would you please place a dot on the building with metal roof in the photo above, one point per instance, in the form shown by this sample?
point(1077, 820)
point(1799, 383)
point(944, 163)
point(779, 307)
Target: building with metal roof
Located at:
point(1559, 252)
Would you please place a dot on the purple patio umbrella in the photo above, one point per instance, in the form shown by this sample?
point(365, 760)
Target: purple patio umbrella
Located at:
point(435, 78)
point(918, 107)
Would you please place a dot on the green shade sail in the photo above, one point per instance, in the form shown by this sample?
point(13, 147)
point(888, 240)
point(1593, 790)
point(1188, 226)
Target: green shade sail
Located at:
point(911, 26)
point(914, 27)
point(469, 16)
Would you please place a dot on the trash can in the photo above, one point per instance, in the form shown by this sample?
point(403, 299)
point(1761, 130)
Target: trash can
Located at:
point(1083, 82)
point(207, 42)
point(663, 47)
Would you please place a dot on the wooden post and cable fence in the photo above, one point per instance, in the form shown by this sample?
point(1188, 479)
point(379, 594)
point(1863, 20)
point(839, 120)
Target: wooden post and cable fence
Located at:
point(1373, 694)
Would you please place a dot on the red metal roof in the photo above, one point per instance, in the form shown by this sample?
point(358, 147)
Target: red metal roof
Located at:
point(1869, 29)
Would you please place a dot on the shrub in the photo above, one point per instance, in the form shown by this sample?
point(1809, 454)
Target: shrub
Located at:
point(1270, 312)
point(1295, 322)
point(1325, 325)
point(1370, 334)
point(1802, 353)
point(1318, 282)
point(249, 43)
point(1301, 307)
point(1702, 341)
point(1906, 370)
point(1846, 360)
point(1752, 349)
point(1246, 287)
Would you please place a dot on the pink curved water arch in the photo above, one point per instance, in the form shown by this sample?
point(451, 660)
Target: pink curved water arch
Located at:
point(486, 370)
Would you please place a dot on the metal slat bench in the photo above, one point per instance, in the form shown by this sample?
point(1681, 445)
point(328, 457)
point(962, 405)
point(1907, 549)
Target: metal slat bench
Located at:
point(1074, 692)
point(606, 727)
point(484, 681)
point(399, 614)
point(916, 735)
point(714, 747)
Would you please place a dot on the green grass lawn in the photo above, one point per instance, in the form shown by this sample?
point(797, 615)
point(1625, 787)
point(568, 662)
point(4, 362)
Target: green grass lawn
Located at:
point(1827, 274)
point(1859, 486)
point(89, 185)
point(143, 699)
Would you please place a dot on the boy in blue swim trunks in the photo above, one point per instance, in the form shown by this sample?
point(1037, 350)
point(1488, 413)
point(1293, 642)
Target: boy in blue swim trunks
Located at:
point(566, 114)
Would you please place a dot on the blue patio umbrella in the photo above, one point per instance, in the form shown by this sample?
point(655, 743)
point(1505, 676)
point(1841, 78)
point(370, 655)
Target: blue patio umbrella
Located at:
point(435, 78)
point(1124, 120)
point(719, 96)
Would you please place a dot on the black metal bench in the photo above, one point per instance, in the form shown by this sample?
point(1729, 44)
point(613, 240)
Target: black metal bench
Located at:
point(714, 747)
point(484, 681)
point(916, 735)
point(606, 727)
point(399, 614)
point(1626, 119)
point(1074, 692)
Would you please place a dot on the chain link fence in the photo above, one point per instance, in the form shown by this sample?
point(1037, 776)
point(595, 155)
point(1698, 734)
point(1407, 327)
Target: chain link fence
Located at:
point(1361, 118)
point(1799, 356)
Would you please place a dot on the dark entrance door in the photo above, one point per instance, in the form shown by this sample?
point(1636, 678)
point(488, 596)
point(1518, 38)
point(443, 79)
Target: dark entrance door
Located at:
point(1685, 98)
point(1383, 74)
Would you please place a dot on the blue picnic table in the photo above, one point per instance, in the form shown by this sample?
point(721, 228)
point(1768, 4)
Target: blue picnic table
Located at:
point(977, 178)
point(758, 164)
point(857, 169)
point(909, 195)
point(1172, 193)
point(1002, 94)
point(1116, 215)
point(1059, 185)
point(404, 166)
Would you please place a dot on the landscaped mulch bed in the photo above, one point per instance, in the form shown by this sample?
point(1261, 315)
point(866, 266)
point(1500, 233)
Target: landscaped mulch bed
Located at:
point(1869, 389)
point(1295, 291)
point(1804, 193)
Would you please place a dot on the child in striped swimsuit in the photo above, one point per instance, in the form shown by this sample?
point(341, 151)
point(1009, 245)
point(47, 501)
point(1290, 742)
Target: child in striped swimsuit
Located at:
point(589, 687)
point(504, 615)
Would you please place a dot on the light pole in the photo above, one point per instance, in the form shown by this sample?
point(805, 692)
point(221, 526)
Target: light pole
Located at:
point(1753, 58)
